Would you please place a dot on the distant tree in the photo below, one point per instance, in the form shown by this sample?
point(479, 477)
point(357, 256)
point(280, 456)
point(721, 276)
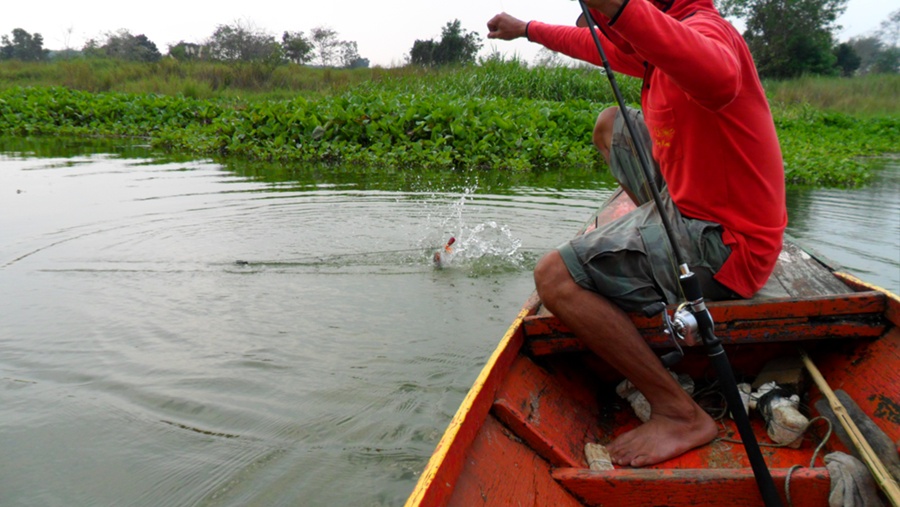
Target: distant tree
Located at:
point(67, 37)
point(67, 52)
point(878, 51)
point(867, 48)
point(64, 54)
point(122, 45)
point(847, 59)
point(358, 63)
point(889, 32)
point(455, 47)
point(789, 38)
point(548, 58)
point(422, 52)
point(91, 48)
point(296, 47)
point(185, 51)
point(887, 61)
point(243, 42)
point(325, 45)
point(23, 46)
point(330, 51)
point(350, 58)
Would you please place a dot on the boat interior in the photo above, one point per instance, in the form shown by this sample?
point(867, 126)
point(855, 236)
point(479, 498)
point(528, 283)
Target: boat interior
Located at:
point(556, 397)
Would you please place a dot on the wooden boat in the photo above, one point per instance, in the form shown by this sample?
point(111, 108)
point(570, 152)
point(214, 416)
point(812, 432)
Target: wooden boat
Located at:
point(519, 436)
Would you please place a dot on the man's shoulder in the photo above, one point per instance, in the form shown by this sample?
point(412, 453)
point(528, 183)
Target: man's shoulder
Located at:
point(705, 17)
point(709, 18)
point(711, 23)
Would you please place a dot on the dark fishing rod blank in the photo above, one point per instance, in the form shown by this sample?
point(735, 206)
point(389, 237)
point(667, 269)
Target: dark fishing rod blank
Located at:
point(694, 296)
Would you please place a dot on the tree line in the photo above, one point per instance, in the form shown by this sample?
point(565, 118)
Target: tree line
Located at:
point(228, 43)
point(788, 38)
point(791, 38)
point(244, 42)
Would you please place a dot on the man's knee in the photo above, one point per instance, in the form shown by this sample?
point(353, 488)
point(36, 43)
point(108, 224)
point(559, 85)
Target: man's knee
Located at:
point(603, 130)
point(550, 275)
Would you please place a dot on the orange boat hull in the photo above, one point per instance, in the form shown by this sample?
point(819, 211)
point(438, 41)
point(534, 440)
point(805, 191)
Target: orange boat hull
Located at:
point(519, 435)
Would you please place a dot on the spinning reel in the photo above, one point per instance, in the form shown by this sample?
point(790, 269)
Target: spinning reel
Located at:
point(680, 325)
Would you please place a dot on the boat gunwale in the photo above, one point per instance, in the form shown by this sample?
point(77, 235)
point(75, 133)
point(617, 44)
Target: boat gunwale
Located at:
point(473, 410)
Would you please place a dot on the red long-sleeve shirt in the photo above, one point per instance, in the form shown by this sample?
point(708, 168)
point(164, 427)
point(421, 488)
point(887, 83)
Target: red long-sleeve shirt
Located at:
point(712, 130)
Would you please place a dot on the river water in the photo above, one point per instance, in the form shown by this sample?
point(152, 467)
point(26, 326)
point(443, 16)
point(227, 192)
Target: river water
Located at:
point(182, 332)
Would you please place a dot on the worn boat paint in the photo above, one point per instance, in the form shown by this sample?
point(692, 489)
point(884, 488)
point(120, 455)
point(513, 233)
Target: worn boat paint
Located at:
point(519, 434)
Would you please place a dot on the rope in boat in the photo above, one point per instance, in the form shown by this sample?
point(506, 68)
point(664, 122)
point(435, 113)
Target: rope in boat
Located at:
point(812, 461)
point(712, 389)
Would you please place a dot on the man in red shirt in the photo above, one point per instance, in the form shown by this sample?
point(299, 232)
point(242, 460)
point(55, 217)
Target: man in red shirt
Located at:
point(714, 145)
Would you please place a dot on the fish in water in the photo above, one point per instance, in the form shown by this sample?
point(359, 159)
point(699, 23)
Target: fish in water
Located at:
point(443, 256)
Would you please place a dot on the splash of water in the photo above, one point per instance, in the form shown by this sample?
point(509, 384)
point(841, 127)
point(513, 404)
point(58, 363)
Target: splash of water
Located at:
point(483, 248)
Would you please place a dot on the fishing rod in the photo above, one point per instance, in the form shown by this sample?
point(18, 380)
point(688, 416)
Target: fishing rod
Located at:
point(693, 295)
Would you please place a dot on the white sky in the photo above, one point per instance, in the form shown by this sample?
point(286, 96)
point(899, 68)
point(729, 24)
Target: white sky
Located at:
point(383, 31)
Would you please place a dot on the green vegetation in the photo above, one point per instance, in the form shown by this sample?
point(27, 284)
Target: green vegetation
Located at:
point(830, 128)
point(833, 149)
point(868, 96)
point(499, 115)
point(195, 79)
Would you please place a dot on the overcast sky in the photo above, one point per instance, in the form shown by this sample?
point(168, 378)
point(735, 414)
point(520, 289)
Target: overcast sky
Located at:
point(384, 31)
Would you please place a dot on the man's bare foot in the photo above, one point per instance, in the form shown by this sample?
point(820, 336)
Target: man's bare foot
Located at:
point(662, 438)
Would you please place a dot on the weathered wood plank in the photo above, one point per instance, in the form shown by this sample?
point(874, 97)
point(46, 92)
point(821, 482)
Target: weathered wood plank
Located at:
point(723, 313)
point(554, 419)
point(772, 289)
point(892, 312)
point(501, 471)
point(811, 306)
point(688, 488)
point(854, 315)
point(793, 332)
point(869, 374)
point(802, 275)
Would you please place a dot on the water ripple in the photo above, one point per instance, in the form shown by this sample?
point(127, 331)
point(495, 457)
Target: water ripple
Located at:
point(190, 336)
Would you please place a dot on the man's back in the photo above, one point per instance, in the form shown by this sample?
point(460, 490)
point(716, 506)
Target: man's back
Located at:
point(712, 130)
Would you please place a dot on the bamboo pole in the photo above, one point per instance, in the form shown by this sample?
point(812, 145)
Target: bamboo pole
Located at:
point(879, 472)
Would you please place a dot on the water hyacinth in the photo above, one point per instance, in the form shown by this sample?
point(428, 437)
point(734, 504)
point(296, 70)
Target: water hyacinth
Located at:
point(500, 115)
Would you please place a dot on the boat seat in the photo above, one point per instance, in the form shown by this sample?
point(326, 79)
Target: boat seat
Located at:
point(803, 300)
point(809, 486)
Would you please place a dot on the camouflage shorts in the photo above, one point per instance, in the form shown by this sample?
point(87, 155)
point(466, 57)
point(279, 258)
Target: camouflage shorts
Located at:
point(629, 259)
